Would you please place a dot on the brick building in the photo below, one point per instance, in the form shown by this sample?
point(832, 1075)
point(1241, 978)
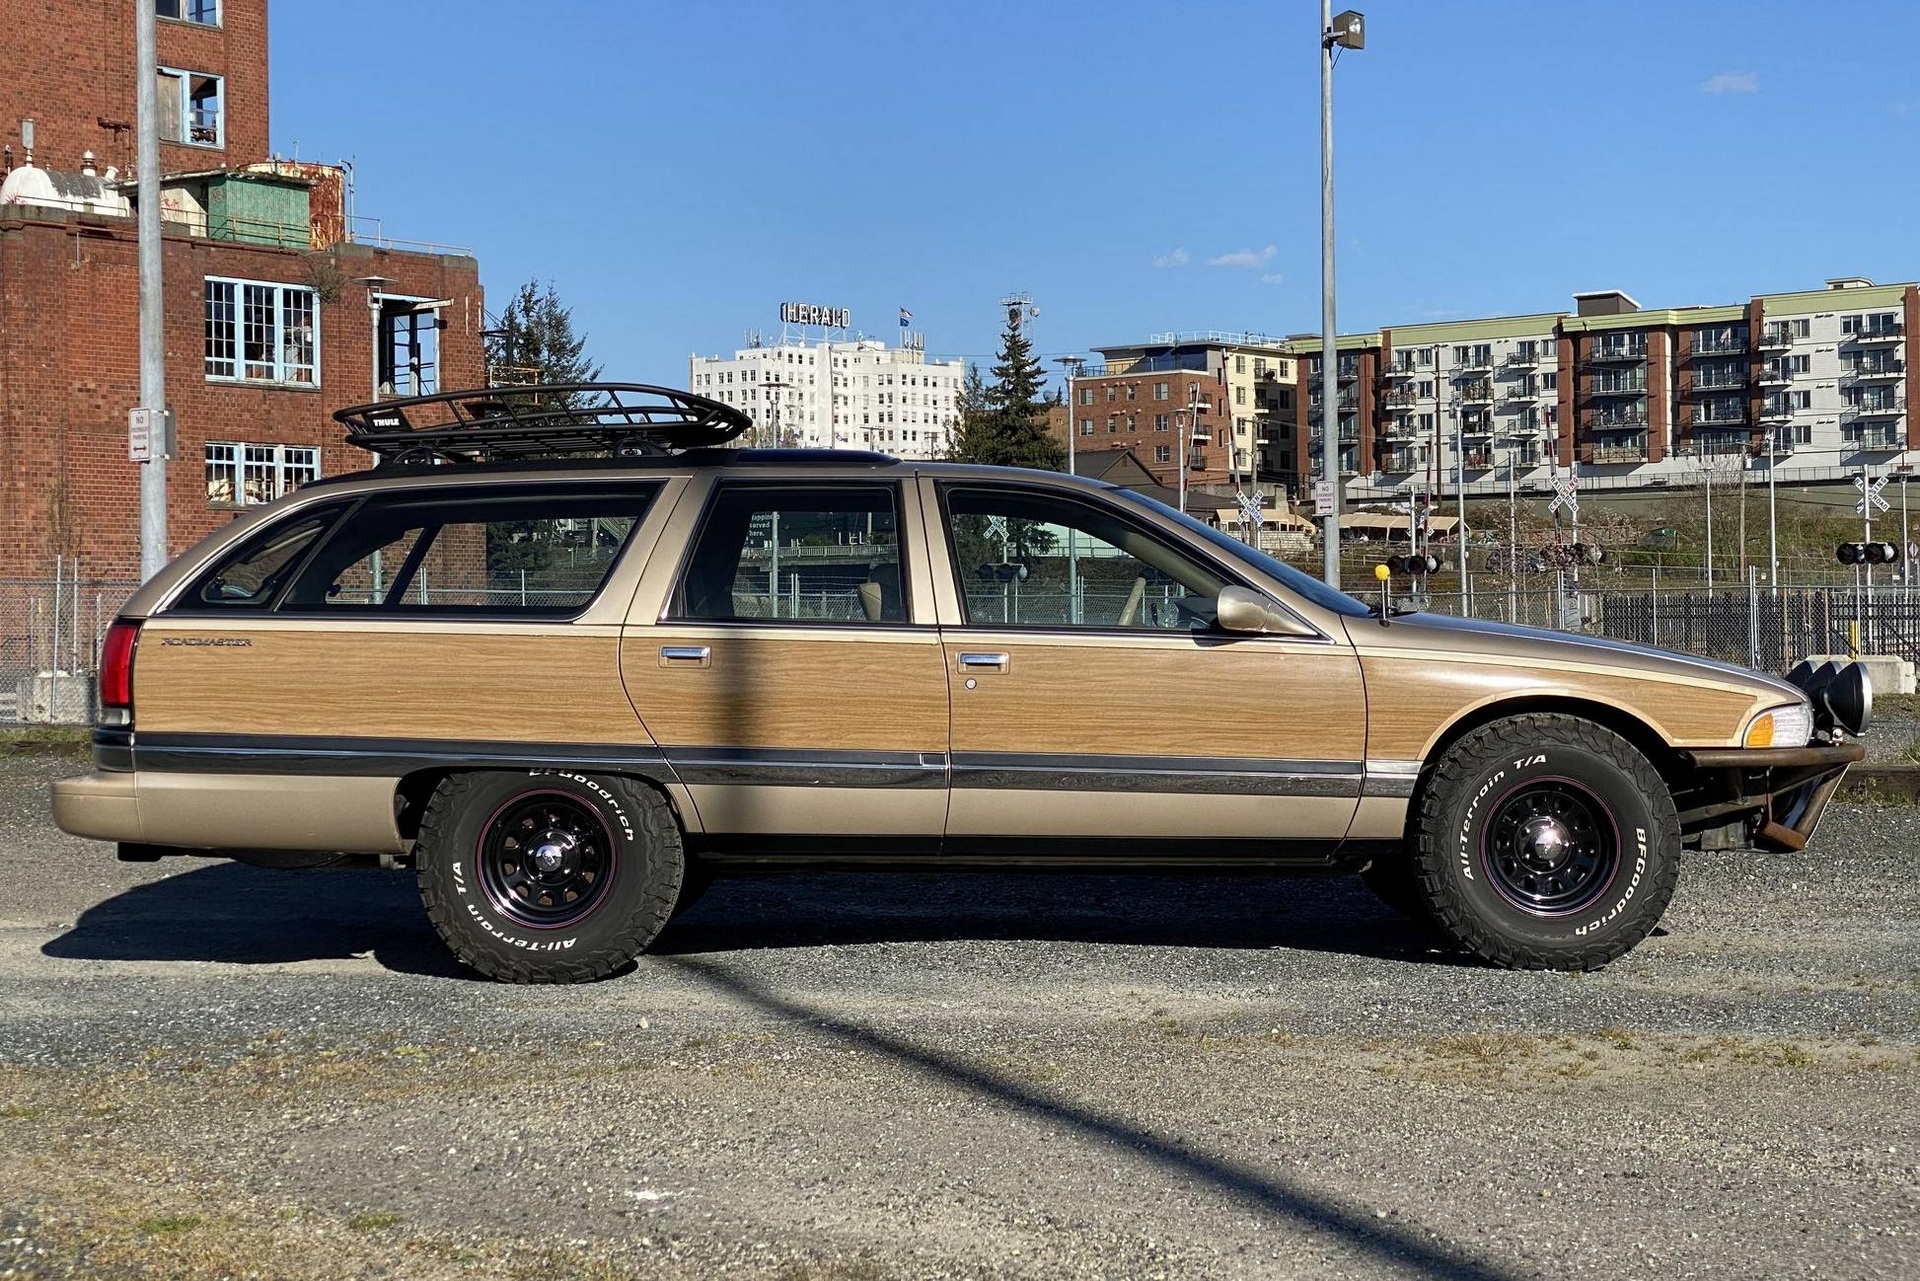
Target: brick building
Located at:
point(276, 313)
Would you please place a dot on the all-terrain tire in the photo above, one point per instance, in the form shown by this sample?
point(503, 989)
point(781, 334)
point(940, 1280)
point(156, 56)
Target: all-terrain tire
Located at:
point(481, 862)
point(1545, 841)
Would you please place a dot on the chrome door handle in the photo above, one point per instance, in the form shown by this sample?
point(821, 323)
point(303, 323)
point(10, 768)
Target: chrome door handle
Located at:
point(985, 662)
point(686, 655)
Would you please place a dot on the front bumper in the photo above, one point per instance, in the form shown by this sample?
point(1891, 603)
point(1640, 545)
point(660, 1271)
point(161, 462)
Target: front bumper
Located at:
point(1780, 791)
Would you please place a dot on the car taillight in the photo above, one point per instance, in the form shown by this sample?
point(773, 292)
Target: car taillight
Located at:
point(116, 669)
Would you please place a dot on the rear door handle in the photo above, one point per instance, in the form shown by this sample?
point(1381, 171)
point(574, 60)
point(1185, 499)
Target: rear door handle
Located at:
point(982, 662)
point(686, 656)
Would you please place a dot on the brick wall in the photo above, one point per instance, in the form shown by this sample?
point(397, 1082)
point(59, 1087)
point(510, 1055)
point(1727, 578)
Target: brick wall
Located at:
point(69, 64)
point(69, 370)
point(1121, 423)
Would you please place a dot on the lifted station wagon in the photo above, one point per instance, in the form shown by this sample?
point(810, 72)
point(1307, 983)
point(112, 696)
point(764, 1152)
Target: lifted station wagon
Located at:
point(572, 658)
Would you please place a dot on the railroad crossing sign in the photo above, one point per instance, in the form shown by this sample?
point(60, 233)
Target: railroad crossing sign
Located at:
point(1252, 503)
point(1870, 492)
point(1566, 493)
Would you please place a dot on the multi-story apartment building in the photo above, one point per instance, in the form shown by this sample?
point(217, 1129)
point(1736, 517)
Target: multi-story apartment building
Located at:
point(1811, 384)
point(275, 313)
point(856, 394)
point(1228, 398)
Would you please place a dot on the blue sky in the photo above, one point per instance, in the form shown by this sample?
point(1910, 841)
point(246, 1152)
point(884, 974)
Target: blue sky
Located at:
point(678, 170)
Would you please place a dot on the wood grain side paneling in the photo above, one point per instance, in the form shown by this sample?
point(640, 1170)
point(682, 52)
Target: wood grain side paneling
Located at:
point(551, 686)
point(1411, 699)
point(771, 689)
point(1161, 697)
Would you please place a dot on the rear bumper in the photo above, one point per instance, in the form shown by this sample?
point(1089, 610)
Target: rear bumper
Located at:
point(1782, 791)
point(231, 811)
point(99, 806)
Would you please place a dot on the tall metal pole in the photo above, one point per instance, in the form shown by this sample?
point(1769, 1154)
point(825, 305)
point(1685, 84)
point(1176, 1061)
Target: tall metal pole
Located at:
point(153, 356)
point(1773, 518)
point(1460, 505)
point(1072, 365)
point(1329, 379)
point(1513, 535)
point(1708, 473)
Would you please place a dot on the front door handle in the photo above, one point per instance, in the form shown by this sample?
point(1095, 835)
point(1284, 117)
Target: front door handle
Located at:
point(995, 662)
point(686, 656)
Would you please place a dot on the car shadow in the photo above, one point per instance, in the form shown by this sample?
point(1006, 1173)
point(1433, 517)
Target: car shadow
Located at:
point(229, 912)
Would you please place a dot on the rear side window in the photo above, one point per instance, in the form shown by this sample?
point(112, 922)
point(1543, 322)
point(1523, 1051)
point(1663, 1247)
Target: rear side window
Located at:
point(809, 554)
point(540, 554)
point(251, 575)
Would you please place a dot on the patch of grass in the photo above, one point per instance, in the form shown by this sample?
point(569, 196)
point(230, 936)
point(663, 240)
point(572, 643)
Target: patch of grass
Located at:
point(373, 1221)
point(170, 1224)
point(18, 1112)
point(67, 741)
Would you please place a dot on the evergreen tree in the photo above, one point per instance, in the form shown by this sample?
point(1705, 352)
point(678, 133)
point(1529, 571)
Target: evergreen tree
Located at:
point(1005, 422)
point(536, 342)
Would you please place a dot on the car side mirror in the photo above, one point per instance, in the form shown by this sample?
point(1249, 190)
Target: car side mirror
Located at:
point(1241, 609)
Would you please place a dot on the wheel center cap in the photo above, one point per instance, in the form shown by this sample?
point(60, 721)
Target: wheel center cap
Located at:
point(549, 854)
point(1545, 842)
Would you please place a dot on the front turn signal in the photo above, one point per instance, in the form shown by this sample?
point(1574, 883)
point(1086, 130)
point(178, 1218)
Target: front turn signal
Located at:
point(1760, 733)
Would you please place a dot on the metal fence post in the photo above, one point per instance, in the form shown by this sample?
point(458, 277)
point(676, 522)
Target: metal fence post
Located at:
point(1753, 616)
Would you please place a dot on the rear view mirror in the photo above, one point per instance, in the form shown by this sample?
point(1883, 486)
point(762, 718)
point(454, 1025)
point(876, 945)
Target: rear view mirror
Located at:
point(1241, 609)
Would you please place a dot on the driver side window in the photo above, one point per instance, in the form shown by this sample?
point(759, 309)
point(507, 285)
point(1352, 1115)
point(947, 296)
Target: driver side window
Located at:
point(1027, 558)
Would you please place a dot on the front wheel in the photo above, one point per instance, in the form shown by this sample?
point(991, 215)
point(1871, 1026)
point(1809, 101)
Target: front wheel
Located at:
point(1546, 842)
point(548, 876)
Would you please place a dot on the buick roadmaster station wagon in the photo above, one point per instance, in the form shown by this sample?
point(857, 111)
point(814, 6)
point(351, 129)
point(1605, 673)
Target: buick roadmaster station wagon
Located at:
point(572, 659)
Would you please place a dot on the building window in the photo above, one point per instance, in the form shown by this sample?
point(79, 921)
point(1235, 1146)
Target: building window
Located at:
point(1550, 381)
point(1086, 426)
point(1163, 453)
point(1160, 422)
point(190, 108)
point(204, 12)
point(241, 475)
point(262, 332)
point(1160, 391)
point(1239, 395)
point(1086, 395)
point(1112, 393)
point(1113, 424)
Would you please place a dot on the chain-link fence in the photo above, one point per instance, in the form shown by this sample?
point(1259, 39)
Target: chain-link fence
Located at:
point(50, 632)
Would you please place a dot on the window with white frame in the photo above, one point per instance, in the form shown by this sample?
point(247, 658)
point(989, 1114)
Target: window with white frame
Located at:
point(192, 107)
point(242, 475)
point(205, 13)
point(258, 331)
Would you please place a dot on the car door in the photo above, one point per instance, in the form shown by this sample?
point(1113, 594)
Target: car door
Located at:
point(791, 670)
point(1093, 698)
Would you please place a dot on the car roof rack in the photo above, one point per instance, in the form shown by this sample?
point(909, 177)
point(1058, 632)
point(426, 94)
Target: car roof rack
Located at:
point(551, 420)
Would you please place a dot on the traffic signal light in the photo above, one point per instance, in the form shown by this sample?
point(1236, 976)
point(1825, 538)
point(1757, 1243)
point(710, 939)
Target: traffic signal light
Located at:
point(1868, 553)
point(1415, 563)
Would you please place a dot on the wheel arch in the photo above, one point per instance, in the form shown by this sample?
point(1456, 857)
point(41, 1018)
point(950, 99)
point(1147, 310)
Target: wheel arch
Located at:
point(412, 792)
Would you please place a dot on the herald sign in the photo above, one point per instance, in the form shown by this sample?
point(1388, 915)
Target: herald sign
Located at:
point(806, 313)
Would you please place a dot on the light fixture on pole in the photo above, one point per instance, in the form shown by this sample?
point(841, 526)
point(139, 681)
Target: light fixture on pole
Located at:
point(1348, 31)
point(374, 284)
point(1072, 365)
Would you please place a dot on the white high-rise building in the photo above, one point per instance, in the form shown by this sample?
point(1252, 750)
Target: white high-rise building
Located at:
point(854, 394)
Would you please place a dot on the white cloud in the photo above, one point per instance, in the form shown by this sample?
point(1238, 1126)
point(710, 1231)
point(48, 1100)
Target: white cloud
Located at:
point(1178, 258)
point(1733, 82)
point(1271, 278)
point(1249, 258)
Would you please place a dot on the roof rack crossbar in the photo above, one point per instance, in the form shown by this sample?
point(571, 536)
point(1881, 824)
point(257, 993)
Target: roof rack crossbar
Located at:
point(544, 420)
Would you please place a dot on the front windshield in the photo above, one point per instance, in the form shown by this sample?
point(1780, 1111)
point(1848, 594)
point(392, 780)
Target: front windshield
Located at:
point(1305, 584)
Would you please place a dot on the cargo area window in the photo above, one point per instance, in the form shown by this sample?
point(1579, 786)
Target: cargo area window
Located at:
point(252, 574)
point(809, 554)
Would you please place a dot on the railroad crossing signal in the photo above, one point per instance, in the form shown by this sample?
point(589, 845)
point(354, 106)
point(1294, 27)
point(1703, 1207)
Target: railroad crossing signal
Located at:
point(1252, 504)
point(1870, 488)
point(1868, 553)
point(1566, 493)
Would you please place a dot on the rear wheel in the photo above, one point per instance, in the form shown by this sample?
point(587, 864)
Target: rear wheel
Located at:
point(548, 876)
point(1546, 842)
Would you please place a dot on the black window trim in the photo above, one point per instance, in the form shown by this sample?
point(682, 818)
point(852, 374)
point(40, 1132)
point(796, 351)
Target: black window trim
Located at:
point(187, 604)
point(1232, 574)
point(668, 607)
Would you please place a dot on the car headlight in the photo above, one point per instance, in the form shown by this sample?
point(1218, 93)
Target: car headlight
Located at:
point(1790, 725)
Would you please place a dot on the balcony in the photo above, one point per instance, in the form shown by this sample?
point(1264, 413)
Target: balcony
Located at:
point(1478, 363)
point(1480, 459)
point(1403, 460)
point(1618, 351)
point(1618, 422)
point(1522, 360)
point(1708, 444)
point(1720, 346)
point(1776, 339)
point(1717, 380)
point(1401, 429)
point(1719, 416)
point(1776, 410)
point(1476, 393)
point(1873, 409)
point(1775, 375)
point(1881, 371)
point(1476, 428)
point(1884, 336)
point(1875, 437)
point(1616, 451)
point(1399, 398)
point(1634, 386)
point(1519, 391)
point(1348, 401)
point(1394, 373)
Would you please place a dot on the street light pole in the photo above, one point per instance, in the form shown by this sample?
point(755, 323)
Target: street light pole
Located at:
point(153, 356)
point(1348, 31)
point(1072, 365)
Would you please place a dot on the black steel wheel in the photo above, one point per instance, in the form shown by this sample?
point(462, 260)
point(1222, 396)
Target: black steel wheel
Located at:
point(546, 859)
point(548, 876)
point(1545, 841)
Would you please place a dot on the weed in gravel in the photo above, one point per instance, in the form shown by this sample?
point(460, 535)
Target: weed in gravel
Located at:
point(373, 1221)
point(170, 1224)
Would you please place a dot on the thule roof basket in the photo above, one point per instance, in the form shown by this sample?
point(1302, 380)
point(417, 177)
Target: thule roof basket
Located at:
point(556, 420)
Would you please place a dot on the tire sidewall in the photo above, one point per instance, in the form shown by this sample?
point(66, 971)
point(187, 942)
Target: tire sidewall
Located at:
point(456, 870)
point(1627, 906)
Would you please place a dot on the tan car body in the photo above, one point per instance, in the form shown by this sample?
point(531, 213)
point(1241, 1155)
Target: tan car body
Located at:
point(865, 741)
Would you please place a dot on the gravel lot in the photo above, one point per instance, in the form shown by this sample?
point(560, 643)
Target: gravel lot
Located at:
point(207, 1070)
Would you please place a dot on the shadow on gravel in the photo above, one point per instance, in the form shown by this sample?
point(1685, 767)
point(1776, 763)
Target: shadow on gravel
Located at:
point(1270, 1193)
point(232, 913)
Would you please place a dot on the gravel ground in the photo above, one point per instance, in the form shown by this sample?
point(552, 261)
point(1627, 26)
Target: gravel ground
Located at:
point(207, 1070)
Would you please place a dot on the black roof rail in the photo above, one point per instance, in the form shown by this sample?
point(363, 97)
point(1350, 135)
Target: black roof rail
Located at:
point(553, 420)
